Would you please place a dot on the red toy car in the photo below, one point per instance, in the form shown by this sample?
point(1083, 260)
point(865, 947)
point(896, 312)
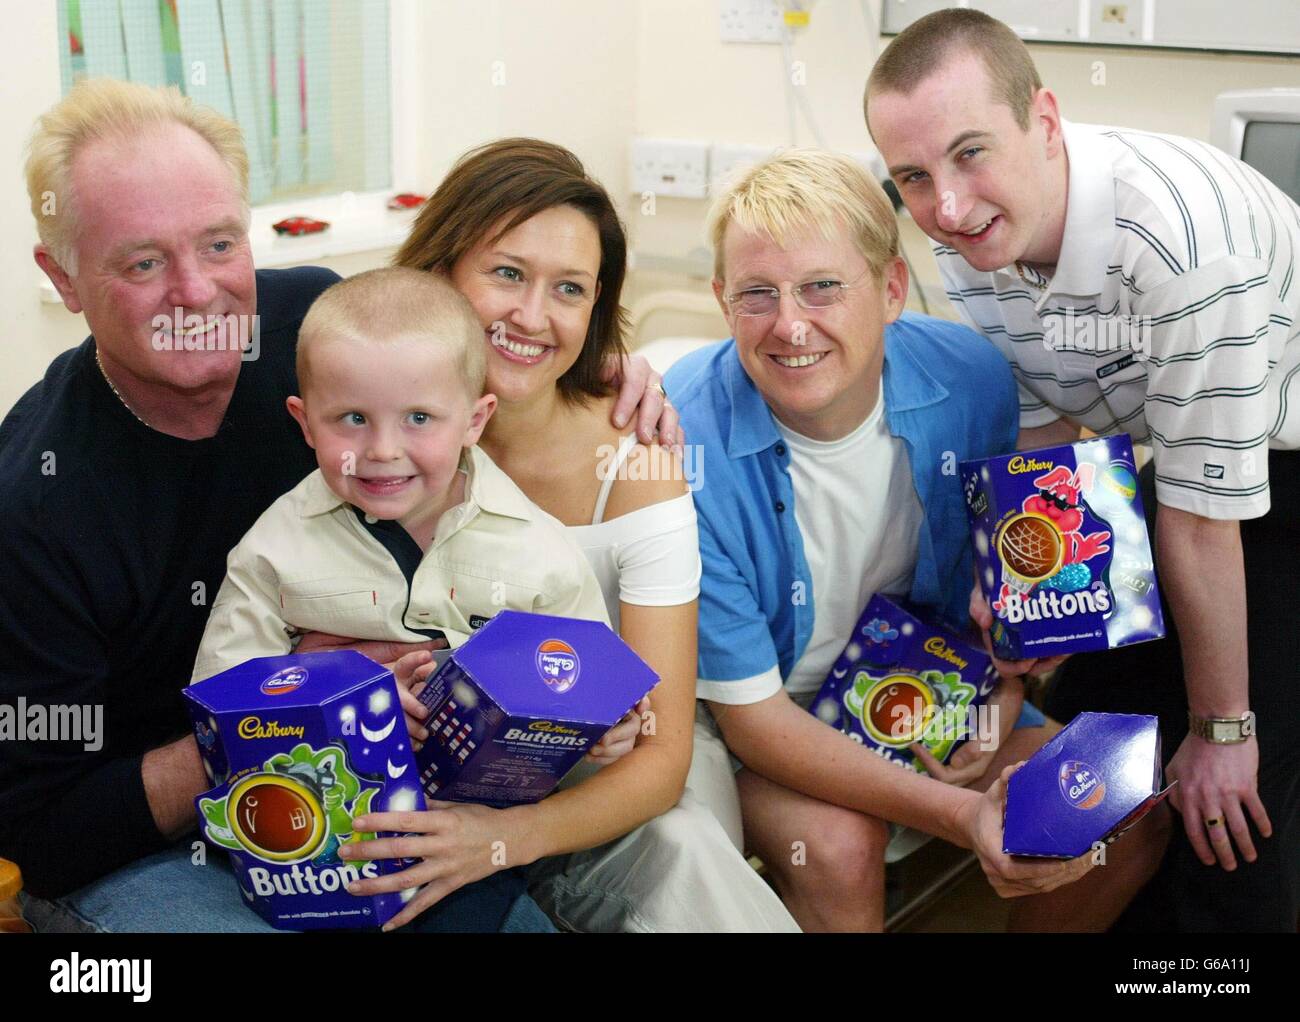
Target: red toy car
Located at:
point(296, 225)
point(406, 200)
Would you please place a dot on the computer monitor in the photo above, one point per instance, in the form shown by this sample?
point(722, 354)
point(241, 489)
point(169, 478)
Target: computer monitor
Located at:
point(1261, 127)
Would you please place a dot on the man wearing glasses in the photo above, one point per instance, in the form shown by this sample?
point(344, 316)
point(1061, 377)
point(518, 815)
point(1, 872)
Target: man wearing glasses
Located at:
point(833, 426)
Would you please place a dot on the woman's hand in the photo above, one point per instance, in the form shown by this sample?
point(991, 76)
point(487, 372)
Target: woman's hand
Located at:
point(970, 762)
point(619, 740)
point(1011, 877)
point(457, 844)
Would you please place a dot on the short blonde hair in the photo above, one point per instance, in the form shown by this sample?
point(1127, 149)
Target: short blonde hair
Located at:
point(808, 189)
point(393, 302)
point(103, 108)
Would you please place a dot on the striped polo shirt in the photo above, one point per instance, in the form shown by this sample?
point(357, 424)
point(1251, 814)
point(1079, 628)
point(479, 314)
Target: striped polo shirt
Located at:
point(1173, 314)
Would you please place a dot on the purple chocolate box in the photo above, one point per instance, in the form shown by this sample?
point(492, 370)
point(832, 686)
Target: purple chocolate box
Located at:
point(520, 703)
point(901, 679)
point(1089, 784)
point(1061, 549)
point(297, 746)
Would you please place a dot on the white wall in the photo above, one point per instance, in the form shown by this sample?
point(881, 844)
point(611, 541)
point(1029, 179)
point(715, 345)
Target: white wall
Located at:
point(590, 74)
point(691, 85)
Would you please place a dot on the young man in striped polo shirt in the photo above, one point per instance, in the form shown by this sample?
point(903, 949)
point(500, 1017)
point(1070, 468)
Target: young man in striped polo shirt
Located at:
point(1140, 283)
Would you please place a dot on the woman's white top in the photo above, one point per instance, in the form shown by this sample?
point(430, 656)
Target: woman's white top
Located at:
point(649, 557)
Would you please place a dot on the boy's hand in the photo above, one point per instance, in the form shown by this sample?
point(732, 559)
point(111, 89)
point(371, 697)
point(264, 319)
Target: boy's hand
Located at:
point(619, 740)
point(411, 672)
point(640, 388)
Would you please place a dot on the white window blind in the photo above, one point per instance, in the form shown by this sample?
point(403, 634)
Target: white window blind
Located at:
point(306, 80)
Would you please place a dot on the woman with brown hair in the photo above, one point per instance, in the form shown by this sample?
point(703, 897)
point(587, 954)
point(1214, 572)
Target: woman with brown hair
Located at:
point(537, 248)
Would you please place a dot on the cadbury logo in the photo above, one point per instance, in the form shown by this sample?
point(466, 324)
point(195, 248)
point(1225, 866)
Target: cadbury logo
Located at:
point(555, 729)
point(284, 681)
point(558, 664)
point(1081, 785)
point(937, 647)
point(1019, 465)
point(252, 727)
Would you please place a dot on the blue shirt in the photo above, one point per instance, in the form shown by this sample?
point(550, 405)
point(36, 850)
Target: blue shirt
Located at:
point(949, 395)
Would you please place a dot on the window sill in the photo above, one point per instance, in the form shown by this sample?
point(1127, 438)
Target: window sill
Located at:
point(359, 222)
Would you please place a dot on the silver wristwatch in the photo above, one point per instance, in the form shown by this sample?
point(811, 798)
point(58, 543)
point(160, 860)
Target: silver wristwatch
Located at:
point(1222, 730)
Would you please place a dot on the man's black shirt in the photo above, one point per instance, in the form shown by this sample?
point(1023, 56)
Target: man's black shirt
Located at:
point(113, 544)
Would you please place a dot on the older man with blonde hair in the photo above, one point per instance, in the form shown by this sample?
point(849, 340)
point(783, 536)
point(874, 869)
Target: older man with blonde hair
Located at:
point(833, 422)
point(129, 472)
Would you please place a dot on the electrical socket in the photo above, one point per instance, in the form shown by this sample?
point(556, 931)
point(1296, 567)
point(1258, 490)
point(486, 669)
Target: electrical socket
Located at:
point(670, 167)
point(751, 21)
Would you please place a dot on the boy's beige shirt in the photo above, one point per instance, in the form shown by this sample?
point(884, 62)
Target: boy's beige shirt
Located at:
point(309, 563)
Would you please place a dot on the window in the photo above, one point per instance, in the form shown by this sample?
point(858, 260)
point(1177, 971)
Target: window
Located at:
point(306, 80)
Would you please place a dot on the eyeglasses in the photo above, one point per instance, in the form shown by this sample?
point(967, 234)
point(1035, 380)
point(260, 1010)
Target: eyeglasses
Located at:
point(813, 294)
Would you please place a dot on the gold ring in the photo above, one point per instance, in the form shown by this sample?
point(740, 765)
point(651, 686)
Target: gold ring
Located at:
point(658, 385)
point(1214, 821)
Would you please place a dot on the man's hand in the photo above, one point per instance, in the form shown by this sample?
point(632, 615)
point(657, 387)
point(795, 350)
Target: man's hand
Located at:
point(1203, 575)
point(641, 389)
point(380, 651)
point(619, 740)
point(971, 761)
point(982, 614)
point(1214, 782)
point(1011, 877)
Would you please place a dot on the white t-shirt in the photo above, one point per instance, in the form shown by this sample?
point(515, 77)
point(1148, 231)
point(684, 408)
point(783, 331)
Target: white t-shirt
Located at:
point(860, 520)
point(649, 557)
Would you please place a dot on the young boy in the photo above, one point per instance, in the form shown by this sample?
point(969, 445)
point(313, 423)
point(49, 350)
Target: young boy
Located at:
point(407, 531)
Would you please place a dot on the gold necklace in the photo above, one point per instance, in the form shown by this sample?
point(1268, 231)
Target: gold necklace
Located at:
point(113, 387)
point(1020, 269)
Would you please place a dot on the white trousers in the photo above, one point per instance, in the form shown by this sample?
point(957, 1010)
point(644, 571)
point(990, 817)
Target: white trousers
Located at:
point(682, 872)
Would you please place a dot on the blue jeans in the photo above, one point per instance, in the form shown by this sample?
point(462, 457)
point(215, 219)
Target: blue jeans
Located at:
point(167, 893)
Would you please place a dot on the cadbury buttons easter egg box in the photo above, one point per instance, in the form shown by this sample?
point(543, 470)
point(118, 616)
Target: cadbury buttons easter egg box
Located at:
point(902, 680)
point(297, 746)
point(1091, 782)
point(1061, 548)
point(520, 703)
